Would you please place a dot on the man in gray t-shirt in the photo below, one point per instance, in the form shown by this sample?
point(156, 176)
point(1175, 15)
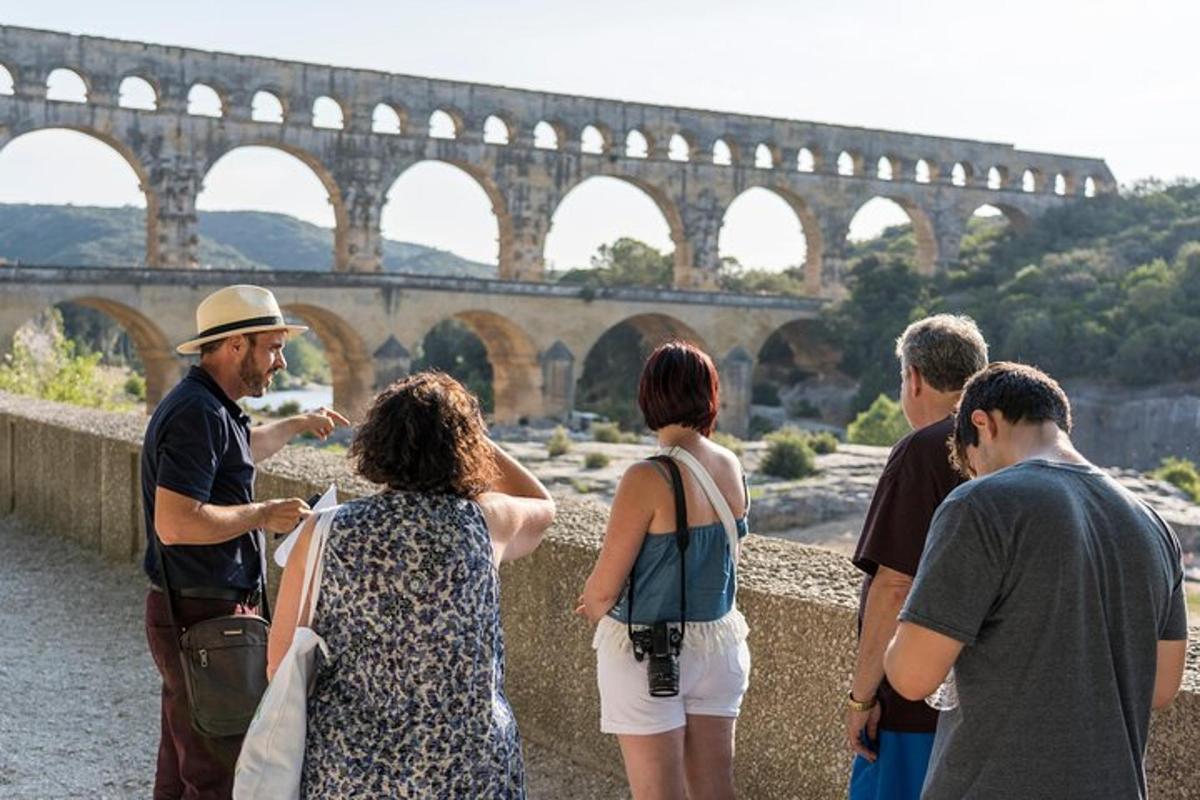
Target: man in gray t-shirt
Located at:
point(1057, 598)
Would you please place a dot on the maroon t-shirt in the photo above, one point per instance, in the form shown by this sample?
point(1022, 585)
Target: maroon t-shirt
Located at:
point(916, 479)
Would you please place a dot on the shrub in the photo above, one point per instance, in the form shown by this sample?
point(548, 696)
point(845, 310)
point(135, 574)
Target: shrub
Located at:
point(607, 432)
point(789, 455)
point(59, 372)
point(823, 443)
point(288, 408)
point(595, 460)
point(729, 442)
point(630, 437)
point(760, 426)
point(804, 409)
point(1181, 473)
point(882, 424)
point(559, 442)
point(135, 386)
point(305, 360)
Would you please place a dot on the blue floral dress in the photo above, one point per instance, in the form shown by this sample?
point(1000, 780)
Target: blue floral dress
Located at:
point(411, 702)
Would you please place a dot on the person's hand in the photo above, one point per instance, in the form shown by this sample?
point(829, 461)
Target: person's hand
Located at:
point(856, 723)
point(281, 516)
point(582, 610)
point(320, 423)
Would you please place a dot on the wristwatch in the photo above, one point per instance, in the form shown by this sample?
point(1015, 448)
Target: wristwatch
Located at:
point(860, 705)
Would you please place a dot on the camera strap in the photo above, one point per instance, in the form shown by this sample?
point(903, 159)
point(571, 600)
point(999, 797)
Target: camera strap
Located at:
point(682, 537)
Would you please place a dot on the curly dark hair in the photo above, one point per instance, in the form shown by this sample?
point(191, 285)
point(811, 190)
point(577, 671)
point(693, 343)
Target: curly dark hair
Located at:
point(1020, 393)
point(425, 433)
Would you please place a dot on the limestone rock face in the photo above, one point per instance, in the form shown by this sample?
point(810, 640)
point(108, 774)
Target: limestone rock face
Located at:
point(828, 508)
point(1136, 428)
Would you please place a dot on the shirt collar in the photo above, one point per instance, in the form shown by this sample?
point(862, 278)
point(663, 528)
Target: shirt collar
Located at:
point(201, 375)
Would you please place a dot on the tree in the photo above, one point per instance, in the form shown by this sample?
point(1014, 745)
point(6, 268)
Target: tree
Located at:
point(452, 348)
point(626, 262)
point(885, 295)
point(883, 424)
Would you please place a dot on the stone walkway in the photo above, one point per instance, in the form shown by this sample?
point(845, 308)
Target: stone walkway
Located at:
point(79, 692)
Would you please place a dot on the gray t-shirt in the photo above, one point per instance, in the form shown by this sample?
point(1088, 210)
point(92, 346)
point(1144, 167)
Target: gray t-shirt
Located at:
point(1060, 584)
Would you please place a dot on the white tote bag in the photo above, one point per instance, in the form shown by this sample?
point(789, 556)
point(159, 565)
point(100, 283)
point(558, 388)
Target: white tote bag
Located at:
point(272, 757)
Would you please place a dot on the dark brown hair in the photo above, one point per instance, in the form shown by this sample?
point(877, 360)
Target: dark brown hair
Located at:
point(679, 386)
point(425, 433)
point(1020, 393)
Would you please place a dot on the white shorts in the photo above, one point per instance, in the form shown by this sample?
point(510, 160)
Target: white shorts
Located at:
point(712, 682)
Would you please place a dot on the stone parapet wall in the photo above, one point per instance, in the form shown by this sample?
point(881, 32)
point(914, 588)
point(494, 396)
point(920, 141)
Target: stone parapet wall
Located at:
point(73, 472)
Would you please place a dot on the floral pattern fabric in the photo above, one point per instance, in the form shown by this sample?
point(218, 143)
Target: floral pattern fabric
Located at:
point(411, 702)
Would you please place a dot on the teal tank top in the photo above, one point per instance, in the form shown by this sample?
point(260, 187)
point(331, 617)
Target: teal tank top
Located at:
point(711, 580)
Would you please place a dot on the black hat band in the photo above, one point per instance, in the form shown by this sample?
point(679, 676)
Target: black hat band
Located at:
point(230, 327)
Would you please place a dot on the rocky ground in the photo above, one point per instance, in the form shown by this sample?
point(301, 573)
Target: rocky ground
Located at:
point(79, 692)
point(826, 509)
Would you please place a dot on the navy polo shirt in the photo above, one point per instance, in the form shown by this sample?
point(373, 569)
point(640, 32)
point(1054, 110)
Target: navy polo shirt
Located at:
point(198, 444)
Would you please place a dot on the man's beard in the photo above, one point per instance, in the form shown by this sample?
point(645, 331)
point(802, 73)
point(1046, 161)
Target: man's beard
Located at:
point(256, 383)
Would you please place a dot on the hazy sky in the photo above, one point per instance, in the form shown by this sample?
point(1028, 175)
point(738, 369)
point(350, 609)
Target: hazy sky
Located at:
point(1098, 78)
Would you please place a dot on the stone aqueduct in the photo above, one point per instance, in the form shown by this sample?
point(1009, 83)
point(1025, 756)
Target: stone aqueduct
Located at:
point(692, 163)
point(537, 335)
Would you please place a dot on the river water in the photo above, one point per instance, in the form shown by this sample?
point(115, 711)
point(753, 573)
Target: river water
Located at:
point(311, 397)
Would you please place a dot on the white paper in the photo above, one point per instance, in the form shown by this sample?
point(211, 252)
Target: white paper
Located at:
point(328, 500)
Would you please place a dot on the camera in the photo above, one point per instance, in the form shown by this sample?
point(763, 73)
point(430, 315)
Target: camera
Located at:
point(661, 642)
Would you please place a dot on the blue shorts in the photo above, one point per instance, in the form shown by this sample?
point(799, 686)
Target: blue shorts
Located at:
point(899, 771)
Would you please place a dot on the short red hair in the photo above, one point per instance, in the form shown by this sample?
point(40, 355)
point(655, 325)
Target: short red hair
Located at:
point(679, 386)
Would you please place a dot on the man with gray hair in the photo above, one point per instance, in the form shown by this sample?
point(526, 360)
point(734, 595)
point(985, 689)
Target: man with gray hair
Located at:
point(892, 737)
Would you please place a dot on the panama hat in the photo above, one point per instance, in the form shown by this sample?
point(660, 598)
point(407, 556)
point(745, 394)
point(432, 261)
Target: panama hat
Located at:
point(236, 309)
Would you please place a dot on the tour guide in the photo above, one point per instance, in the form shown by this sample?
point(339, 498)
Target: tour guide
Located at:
point(198, 492)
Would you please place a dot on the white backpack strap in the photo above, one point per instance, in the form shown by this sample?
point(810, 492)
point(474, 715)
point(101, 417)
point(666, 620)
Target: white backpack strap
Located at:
point(709, 486)
point(314, 565)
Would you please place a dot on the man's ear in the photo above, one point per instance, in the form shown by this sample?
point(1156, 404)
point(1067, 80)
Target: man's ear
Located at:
point(915, 383)
point(983, 423)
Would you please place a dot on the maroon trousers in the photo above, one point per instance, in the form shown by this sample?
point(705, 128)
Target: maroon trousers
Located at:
point(190, 766)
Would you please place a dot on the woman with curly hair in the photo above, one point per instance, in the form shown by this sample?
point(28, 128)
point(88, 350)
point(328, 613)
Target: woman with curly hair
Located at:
point(410, 701)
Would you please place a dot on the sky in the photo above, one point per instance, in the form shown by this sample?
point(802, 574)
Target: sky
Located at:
point(1115, 80)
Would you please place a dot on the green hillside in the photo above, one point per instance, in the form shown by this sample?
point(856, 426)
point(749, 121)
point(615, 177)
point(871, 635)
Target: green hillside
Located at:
point(90, 236)
point(1107, 289)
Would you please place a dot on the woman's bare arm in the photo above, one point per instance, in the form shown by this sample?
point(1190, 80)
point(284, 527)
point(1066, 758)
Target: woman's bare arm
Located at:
point(518, 509)
point(630, 518)
point(283, 626)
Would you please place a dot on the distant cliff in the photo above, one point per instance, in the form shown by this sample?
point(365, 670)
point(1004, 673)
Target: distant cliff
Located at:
point(1136, 428)
point(103, 237)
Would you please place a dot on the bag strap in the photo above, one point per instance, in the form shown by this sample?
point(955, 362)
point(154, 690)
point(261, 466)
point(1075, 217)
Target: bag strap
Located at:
point(314, 566)
point(682, 540)
point(161, 555)
point(709, 487)
point(260, 546)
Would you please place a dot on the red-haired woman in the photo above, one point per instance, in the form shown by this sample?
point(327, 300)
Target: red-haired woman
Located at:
point(661, 576)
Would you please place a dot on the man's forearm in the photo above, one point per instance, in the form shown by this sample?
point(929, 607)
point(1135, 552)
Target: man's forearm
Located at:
point(268, 439)
point(210, 524)
point(885, 598)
